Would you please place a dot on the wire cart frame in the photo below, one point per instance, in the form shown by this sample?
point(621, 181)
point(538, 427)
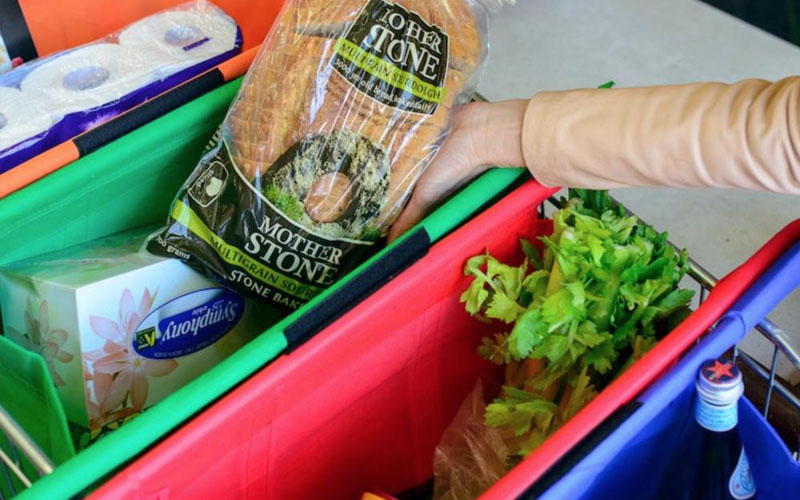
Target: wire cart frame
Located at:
point(20, 444)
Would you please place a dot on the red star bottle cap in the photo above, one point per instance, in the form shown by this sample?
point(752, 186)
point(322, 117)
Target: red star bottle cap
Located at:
point(720, 382)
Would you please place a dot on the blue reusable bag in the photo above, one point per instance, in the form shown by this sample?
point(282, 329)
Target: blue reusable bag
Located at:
point(628, 458)
point(776, 473)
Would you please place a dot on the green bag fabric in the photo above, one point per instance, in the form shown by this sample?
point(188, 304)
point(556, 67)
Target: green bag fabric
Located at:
point(131, 183)
point(28, 395)
point(122, 186)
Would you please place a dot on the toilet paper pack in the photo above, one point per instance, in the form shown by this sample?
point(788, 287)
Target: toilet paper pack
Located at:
point(178, 39)
point(87, 78)
point(76, 90)
point(22, 117)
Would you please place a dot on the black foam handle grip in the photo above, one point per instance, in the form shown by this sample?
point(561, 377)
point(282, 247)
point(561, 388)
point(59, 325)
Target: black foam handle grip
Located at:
point(351, 294)
point(149, 111)
point(15, 33)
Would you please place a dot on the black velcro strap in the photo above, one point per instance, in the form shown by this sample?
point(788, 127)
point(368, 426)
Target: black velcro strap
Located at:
point(348, 296)
point(15, 33)
point(579, 452)
point(147, 112)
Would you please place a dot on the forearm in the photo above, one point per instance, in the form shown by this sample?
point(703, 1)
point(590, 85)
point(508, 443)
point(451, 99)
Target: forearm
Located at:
point(495, 132)
point(745, 135)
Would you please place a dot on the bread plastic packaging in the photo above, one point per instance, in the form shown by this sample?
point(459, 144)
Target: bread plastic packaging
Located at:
point(346, 104)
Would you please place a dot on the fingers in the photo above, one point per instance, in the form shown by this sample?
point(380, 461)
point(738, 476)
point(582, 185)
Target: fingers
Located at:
point(416, 209)
point(456, 163)
point(427, 195)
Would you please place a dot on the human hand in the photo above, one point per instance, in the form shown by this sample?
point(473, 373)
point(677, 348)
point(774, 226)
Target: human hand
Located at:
point(482, 135)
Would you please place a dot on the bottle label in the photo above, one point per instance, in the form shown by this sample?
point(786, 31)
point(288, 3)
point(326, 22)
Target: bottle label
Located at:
point(716, 418)
point(742, 486)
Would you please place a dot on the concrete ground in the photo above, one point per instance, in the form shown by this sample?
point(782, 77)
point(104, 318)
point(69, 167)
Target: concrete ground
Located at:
point(563, 44)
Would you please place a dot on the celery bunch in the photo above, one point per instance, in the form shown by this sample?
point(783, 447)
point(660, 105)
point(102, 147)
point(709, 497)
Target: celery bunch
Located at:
point(603, 294)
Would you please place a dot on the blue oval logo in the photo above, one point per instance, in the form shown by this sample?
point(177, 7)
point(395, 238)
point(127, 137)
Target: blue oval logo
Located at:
point(188, 323)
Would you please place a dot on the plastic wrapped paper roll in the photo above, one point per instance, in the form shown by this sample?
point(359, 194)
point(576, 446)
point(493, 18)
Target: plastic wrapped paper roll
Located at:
point(22, 117)
point(80, 89)
point(87, 77)
point(178, 39)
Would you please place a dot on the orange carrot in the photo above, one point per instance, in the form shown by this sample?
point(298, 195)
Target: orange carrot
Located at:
point(534, 367)
point(551, 391)
point(512, 374)
point(562, 405)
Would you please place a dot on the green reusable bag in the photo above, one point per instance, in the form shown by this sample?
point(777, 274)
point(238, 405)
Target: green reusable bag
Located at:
point(29, 397)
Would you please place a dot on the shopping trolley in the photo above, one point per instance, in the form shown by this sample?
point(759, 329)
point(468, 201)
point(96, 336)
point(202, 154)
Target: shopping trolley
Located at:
point(362, 403)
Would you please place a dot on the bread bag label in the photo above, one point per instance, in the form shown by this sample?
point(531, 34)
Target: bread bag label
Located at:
point(262, 251)
point(394, 56)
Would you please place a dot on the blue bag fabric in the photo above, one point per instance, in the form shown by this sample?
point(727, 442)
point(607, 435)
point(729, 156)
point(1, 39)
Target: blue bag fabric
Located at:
point(629, 462)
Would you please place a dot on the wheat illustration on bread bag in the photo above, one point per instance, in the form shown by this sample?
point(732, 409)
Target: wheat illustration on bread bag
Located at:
point(346, 104)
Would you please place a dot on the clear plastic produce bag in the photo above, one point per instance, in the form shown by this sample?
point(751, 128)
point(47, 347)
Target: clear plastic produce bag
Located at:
point(471, 457)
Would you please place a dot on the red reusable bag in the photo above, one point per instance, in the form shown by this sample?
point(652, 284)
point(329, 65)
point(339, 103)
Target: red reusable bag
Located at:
point(363, 404)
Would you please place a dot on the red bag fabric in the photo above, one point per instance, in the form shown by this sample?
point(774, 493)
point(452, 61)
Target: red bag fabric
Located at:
point(364, 403)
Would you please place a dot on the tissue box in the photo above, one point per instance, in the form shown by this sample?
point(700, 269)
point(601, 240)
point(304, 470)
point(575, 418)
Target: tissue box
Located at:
point(121, 329)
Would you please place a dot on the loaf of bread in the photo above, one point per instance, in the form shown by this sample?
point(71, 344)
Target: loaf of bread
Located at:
point(346, 104)
point(293, 92)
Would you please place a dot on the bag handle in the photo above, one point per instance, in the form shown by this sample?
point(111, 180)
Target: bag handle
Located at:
point(14, 32)
point(366, 280)
point(331, 305)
